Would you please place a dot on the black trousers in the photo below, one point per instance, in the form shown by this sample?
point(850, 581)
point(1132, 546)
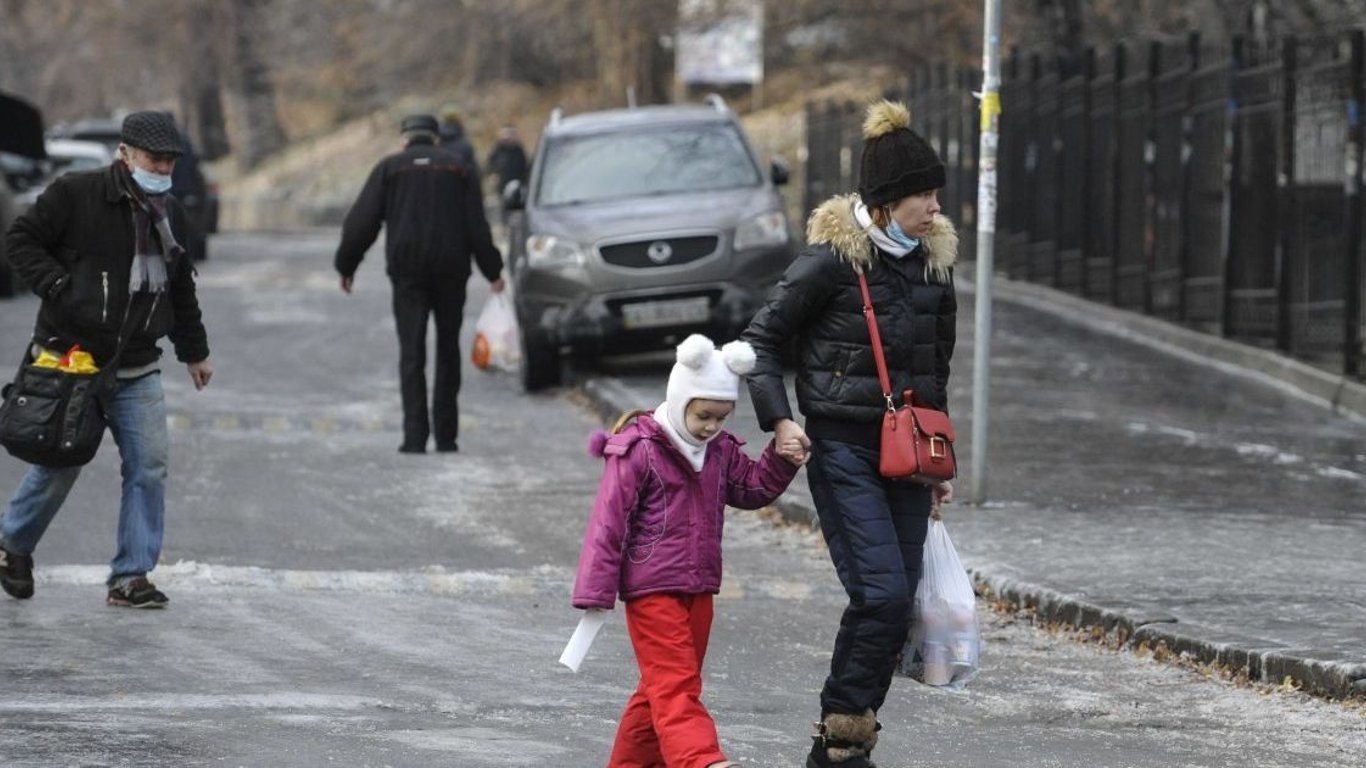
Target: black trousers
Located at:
point(875, 531)
point(441, 297)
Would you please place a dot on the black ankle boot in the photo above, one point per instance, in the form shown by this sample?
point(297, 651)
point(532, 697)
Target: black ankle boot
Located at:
point(844, 741)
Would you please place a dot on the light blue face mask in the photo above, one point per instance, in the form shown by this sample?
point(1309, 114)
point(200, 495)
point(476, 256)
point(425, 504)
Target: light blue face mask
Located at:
point(895, 232)
point(151, 183)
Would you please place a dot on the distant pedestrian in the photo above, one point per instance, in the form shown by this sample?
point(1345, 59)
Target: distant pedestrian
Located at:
point(655, 538)
point(874, 527)
point(454, 139)
point(98, 247)
point(431, 204)
point(507, 162)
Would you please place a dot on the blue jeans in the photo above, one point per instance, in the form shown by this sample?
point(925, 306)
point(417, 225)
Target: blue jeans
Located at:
point(875, 531)
point(137, 418)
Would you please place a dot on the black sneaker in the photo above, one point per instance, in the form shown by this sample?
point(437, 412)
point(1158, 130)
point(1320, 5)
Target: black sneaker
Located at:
point(136, 593)
point(450, 447)
point(16, 574)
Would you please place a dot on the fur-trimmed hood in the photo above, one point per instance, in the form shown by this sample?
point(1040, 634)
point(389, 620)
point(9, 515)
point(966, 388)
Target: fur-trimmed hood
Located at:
point(833, 223)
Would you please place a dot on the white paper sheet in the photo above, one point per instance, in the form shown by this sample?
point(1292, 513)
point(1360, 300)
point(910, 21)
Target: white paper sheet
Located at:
point(582, 639)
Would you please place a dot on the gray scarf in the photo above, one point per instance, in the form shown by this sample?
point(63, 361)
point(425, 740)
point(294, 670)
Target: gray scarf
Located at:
point(155, 246)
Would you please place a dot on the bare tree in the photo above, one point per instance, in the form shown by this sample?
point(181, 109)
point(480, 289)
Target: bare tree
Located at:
point(201, 87)
point(626, 37)
point(257, 119)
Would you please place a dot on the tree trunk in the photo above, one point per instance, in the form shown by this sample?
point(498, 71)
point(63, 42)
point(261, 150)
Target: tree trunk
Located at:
point(626, 39)
point(257, 121)
point(201, 88)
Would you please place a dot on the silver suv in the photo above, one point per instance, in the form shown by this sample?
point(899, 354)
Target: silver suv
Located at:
point(637, 227)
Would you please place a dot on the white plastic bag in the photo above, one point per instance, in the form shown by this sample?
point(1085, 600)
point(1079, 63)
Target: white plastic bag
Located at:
point(496, 345)
point(944, 644)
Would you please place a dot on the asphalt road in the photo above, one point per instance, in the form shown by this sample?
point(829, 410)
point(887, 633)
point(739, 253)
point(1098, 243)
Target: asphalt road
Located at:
point(335, 603)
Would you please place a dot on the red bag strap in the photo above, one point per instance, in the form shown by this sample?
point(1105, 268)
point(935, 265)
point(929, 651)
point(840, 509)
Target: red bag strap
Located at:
point(878, 355)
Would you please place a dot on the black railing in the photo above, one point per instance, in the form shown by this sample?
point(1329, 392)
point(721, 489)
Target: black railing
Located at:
point(1220, 189)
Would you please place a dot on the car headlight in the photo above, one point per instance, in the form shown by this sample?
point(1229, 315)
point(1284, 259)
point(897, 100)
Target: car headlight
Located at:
point(763, 230)
point(551, 251)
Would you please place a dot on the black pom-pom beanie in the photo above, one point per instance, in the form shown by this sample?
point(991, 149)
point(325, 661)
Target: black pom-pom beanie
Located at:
point(896, 161)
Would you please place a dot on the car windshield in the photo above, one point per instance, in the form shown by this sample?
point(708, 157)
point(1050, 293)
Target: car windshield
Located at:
point(641, 162)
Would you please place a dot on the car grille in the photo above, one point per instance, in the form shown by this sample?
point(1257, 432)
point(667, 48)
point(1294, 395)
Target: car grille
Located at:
point(663, 252)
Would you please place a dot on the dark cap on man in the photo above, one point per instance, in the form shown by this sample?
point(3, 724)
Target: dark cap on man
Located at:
point(897, 162)
point(152, 131)
point(413, 123)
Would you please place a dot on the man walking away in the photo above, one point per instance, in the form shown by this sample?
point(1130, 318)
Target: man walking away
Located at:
point(97, 247)
point(507, 161)
point(431, 203)
point(453, 139)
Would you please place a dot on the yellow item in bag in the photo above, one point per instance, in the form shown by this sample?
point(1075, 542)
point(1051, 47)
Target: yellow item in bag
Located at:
point(75, 360)
point(48, 359)
point(79, 361)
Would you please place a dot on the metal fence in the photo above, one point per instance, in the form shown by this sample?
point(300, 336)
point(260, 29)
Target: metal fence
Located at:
point(1216, 188)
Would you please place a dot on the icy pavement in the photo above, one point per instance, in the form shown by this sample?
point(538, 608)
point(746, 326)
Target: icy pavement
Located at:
point(334, 603)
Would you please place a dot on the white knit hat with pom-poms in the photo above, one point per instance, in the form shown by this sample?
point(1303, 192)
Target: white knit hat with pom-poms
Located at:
point(705, 372)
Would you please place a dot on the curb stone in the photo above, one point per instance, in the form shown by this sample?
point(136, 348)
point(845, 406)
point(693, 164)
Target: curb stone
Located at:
point(1319, 672)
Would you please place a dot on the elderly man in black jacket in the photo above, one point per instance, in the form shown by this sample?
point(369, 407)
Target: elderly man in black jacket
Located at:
point(430, 200)
point(102, 249)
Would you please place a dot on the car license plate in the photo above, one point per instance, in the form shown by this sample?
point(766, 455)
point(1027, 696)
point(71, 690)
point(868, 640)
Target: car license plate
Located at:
point(654, 314)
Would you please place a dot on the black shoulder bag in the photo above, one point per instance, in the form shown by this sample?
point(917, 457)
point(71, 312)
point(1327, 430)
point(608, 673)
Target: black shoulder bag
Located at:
point(54, 418)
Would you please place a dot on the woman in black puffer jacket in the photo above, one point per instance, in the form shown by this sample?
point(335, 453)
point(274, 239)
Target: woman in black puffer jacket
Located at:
point(874, 528)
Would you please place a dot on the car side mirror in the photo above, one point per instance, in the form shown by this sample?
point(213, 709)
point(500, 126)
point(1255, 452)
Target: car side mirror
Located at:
point(778, 171)
point(514, 195)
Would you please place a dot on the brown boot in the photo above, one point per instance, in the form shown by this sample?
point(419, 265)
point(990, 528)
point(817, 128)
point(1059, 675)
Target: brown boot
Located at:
point(844, 741)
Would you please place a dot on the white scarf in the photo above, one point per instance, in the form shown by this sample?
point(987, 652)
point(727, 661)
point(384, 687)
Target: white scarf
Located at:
point(880, 237)
point(694, 450)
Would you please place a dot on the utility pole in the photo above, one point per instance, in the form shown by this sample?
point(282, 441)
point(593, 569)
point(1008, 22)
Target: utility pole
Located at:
point(986, 242)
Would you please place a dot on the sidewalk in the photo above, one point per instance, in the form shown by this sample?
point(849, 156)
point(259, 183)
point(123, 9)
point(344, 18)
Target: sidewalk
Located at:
point(1169, 498)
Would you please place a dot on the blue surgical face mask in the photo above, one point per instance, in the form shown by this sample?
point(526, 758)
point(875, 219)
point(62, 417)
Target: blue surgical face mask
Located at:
point(895, 232)
point(151, 183)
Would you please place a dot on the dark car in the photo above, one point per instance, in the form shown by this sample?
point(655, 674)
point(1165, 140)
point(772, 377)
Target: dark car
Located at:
point(188, 182)
point(638, 227)
point(21, 153)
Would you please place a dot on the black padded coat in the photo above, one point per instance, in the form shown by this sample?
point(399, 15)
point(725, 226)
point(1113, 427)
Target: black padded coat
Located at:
point(817, 307)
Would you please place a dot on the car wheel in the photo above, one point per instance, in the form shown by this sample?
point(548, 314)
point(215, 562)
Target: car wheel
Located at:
point(541, 367)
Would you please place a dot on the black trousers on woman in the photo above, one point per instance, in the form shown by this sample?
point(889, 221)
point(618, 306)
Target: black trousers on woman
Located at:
point(875, 531)
point(441, 297)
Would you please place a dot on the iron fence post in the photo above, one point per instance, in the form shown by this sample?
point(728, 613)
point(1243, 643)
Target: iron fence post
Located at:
point(1121, 67)
point(1231, 181)
point(1149, 247)
point(1088, 74)
point(1187, 129)
point(1286, 192)
point(1352, 351)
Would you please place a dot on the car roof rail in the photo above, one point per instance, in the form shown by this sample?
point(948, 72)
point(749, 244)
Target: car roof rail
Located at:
point(717, 102)
point(555, 115)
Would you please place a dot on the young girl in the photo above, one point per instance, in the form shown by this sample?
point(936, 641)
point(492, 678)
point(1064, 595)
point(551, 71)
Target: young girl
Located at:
point(655, 538)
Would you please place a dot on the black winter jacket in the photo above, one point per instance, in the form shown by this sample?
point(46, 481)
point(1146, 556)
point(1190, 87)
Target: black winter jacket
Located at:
point(74, 248)
point(431, 203)
point(508, 162)
point(818, 305)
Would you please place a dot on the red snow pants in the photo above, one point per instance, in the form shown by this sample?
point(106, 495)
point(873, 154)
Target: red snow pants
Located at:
point(665, 724)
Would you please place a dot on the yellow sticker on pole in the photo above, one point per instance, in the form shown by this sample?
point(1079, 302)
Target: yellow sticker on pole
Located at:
point(991, 108)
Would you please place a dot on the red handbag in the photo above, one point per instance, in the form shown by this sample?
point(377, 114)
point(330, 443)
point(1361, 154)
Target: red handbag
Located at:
point(917, 442)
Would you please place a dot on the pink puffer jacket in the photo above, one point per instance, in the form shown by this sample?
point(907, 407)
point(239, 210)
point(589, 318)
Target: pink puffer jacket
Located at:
point(656, 524)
